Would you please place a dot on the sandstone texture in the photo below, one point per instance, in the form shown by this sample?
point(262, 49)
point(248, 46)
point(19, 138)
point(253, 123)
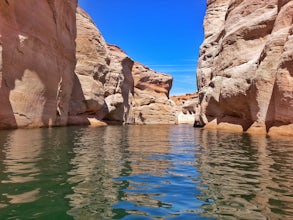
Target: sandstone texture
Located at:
point(87, 103)
point(245, 69)
point(91, 68)
point(37, 61)
point(56, 69)
point(119, 87)
point(151, 94)
point(187, 108)
point(110, 86)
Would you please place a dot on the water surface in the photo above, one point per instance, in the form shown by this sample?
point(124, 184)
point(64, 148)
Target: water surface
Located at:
point(144, 172)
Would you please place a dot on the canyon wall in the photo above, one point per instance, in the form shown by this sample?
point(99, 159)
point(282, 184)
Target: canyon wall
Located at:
point(37, 61)
point(244, 72)
point(151, 93)
point(245, 69)
point(56, 69)
point(87, 101)
point(187, 108)
point(114, 88)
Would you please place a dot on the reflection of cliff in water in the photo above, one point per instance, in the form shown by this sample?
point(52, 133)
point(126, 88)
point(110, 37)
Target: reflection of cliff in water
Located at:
point(143, 144)
point(99, 157)
point(103, 157)
point(33, 165)
point(19, 166)
point(163, 178)
point(147, 150)
point(247, 177)
point(149, 171)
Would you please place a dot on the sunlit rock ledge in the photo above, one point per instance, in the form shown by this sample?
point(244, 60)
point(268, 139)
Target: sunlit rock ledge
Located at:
point(245, 67)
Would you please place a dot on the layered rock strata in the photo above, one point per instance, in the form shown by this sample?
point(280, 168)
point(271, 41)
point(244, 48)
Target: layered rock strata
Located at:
point(187, 108)
point(151, 94)
point(37, 61)
point(246, 66)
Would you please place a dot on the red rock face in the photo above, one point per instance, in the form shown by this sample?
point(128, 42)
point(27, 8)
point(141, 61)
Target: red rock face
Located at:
point(245, 65)
point(110, 86)
point(41, 84)
point(37, 51)
point(187, 108)
point(87, 99)
point(151, 94)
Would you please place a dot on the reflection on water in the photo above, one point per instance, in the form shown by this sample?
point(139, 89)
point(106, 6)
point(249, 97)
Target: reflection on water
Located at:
point(144, 172)
point(33, 180)
point(99, 157)
point(20, 161)
point(162, 182)
point(246, 177)
point(18, 166)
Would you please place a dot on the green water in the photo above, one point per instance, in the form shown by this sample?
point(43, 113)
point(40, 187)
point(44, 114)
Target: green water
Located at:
point(144, 172)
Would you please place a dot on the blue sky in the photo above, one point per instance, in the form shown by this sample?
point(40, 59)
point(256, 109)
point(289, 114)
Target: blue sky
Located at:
point(164, 35)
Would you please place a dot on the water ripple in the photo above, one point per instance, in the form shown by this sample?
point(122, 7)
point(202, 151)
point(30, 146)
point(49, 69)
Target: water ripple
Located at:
point(144, 172)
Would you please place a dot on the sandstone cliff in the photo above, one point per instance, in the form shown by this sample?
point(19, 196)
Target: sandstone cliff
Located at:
point(187, 108)
point(244, 72)
point(114, 88)
point(37, 61)
point(246, 66)
point(151, 93)
point(42, 85)
point(87, 101)
point(119, 87)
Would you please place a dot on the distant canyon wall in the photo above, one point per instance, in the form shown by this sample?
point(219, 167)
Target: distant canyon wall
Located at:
point(245, 69)
point(187, 108)
point(56, 69)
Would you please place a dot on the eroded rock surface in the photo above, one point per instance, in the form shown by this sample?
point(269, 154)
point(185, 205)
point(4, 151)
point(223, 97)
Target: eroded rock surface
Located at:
point(37, 61)
point(187, 108)
point(115, 88)
point(151, 93)
point(88, 97)
point(119, 88)
point(56, 69)
point(246, 65)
